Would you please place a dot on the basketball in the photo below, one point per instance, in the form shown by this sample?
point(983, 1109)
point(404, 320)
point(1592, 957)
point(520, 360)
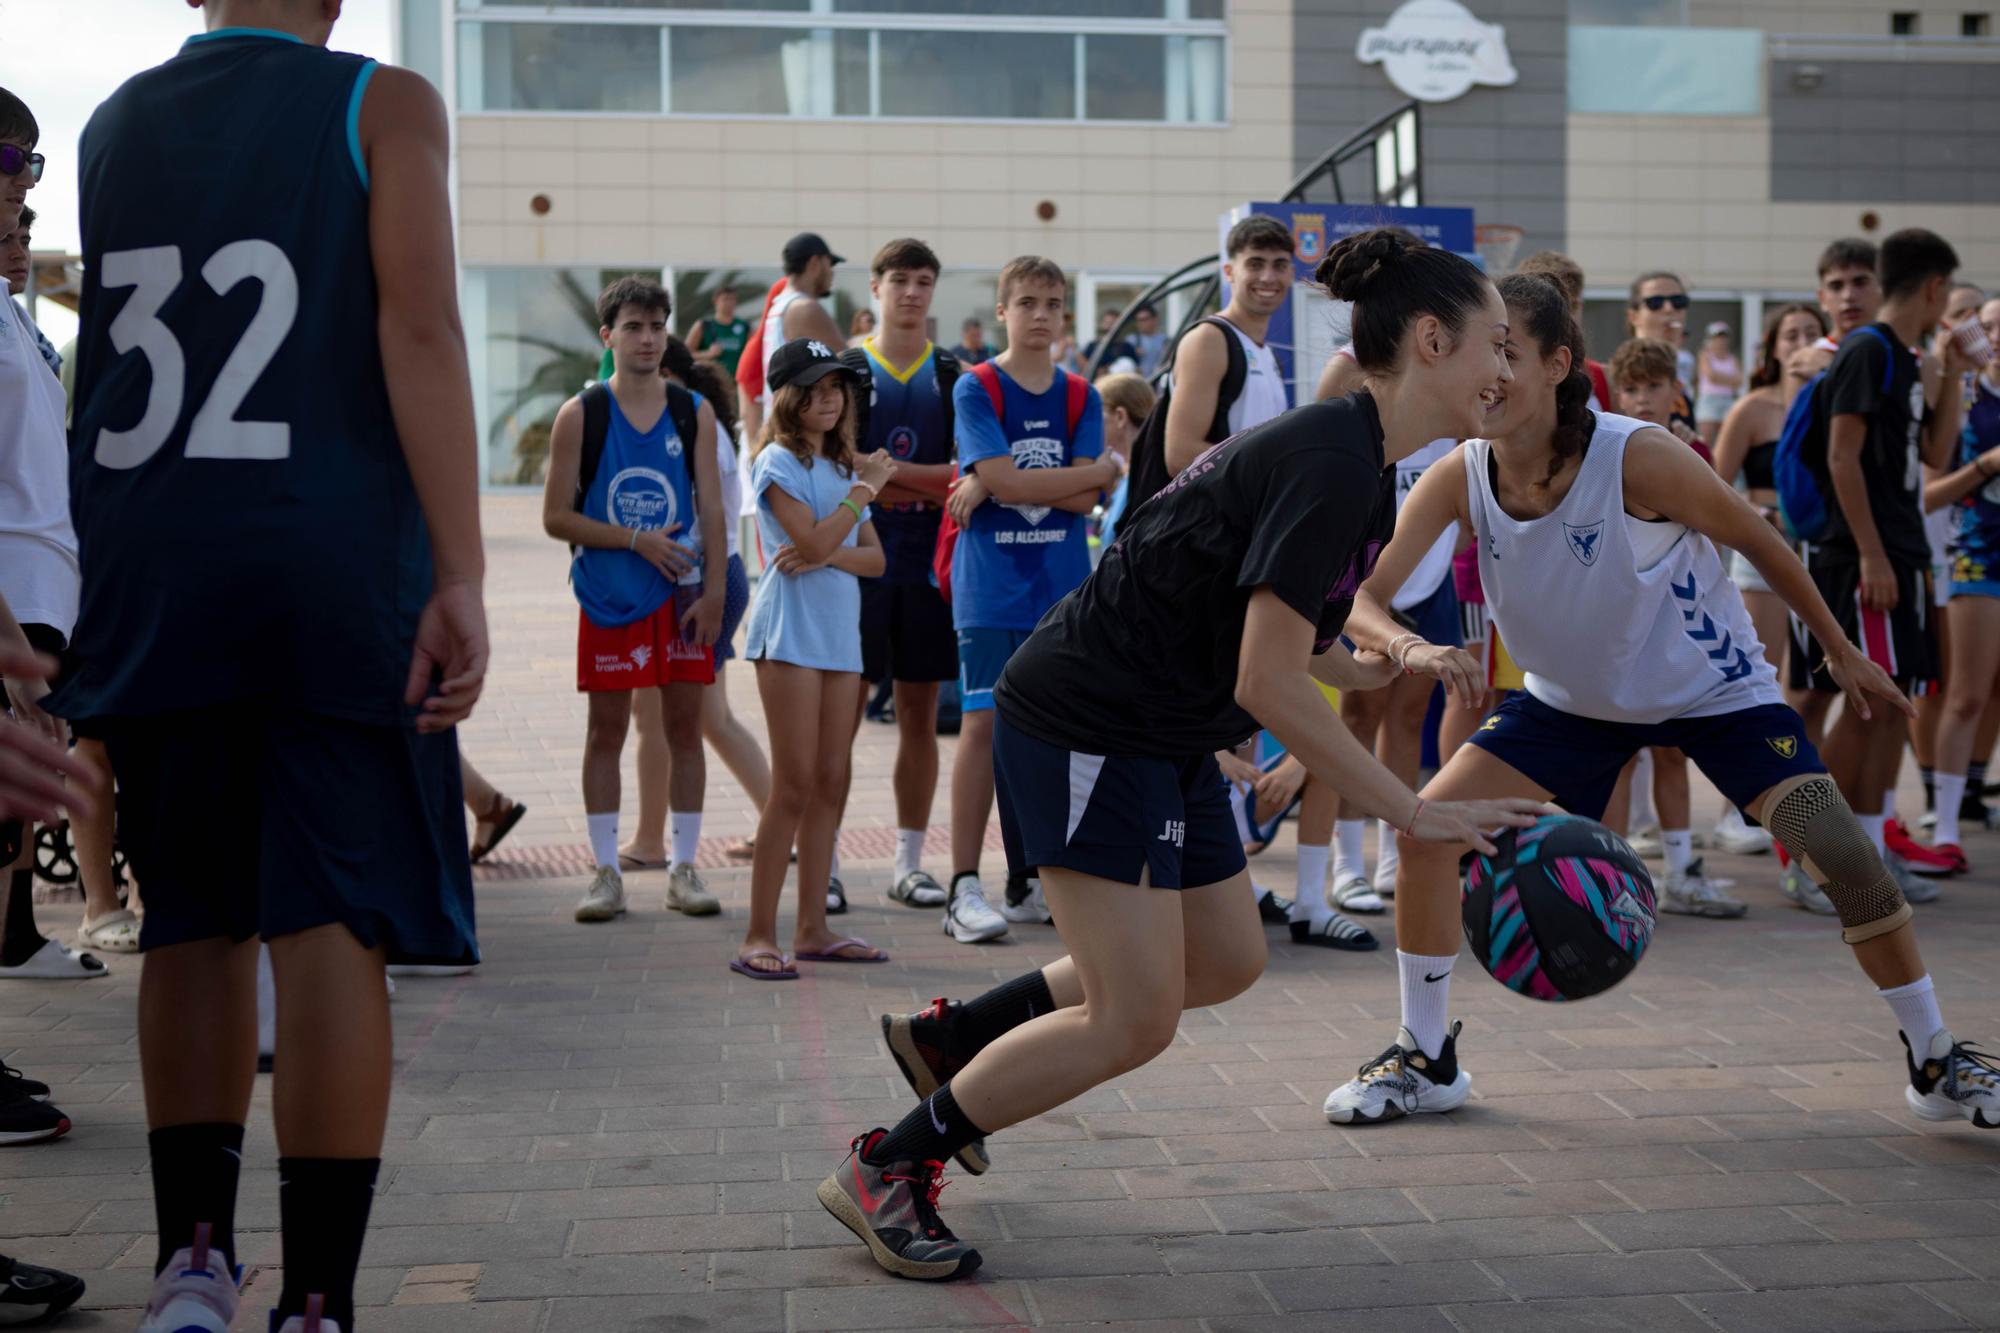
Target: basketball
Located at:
point(1563, 909)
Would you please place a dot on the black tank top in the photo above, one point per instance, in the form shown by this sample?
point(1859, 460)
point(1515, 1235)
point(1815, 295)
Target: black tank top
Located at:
point(1757, 466)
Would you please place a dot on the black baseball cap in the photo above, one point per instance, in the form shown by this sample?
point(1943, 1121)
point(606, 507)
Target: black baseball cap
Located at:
point(803, 361)
point(805, 247)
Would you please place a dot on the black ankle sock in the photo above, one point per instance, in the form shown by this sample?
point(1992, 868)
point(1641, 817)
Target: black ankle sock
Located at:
point(1002, 1009)
point(194, 1181)
point(931, 1133)
point(323, 1205)
point(19, 940)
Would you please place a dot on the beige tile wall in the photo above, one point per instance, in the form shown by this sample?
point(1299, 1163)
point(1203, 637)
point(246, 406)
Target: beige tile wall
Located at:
point(1692, 194)
point(689, 191)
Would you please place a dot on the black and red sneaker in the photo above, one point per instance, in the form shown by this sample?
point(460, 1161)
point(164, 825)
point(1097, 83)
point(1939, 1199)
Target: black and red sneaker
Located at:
point(922, 1045)
point(25, 1120)
point(892, 1207)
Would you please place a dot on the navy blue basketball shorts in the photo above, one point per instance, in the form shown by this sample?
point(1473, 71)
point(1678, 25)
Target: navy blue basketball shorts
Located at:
point(245, 820)
point(1129, 819)
point(1577, 759)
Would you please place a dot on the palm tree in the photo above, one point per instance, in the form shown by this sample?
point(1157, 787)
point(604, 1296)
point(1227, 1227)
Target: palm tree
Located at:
point(569, 367)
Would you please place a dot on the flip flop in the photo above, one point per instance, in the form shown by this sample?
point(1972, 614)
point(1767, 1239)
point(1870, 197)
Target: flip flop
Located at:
point(832, 954)
point(784, 972)
point(634, 863)
point(741, 850)
point(503, 824)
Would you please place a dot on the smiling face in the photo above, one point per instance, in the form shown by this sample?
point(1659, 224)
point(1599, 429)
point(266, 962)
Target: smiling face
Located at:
point(1535, 377)
point(1261, 279)
point(1473, 375)
point(1666, 323)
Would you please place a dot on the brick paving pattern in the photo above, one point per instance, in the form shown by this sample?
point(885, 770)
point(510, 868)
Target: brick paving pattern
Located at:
point(604, 1129)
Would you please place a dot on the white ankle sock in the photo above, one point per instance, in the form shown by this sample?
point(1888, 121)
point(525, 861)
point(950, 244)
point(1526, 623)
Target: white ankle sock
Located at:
point(1640, 813)
point(1679, 845)
point(833, 866)
point(1386, 859)
point(1349, 859)
point(909, 850)
point(1309, 902)
point(687, 836)
point(1889, 804)
point(1950, 793)
point(1872, 826)
point(1916, 1010)
point(603, 837)
point(1426, 1002)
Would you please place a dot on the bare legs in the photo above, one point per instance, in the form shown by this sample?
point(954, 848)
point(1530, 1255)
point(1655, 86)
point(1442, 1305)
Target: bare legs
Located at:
point(971, 792)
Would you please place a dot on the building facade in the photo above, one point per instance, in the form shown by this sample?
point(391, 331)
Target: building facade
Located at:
point(1724, 141)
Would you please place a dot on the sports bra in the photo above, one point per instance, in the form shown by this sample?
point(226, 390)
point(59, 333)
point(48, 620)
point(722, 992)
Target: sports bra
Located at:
point(1757, 464)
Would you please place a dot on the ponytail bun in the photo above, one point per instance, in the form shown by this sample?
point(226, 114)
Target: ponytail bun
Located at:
point(1354, 265)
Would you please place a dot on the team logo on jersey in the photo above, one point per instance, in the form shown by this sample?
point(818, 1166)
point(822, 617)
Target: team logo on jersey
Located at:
point(902, 442)
point(640, 497)
point(1033, 452)
point(1490, 723)
point(1786, 746)
point(641, 655)
point(1584, 539)
point(1309, 237)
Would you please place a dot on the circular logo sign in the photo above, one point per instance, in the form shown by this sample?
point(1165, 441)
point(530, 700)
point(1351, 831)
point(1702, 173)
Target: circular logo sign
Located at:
point(640, 497)
point(1435, 50)
point(902, 442)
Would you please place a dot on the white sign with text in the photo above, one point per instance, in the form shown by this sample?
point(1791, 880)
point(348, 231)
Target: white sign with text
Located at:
point(1435, 50)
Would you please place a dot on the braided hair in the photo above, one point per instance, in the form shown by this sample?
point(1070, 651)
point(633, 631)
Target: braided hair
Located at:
point(1541, 306)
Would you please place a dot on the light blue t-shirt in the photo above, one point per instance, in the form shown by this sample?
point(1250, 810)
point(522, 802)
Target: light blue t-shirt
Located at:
point(1014, 562)
point(811, 619)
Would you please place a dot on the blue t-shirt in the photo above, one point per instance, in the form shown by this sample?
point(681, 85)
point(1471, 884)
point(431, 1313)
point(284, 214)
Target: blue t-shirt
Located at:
point(1014, 562)
point(910, 419)
point(1975, 536)
point(642, 481)
point(811, 619)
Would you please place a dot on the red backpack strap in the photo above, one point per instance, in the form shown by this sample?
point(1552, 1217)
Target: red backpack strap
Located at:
point(988, 376)
point(1079, 398)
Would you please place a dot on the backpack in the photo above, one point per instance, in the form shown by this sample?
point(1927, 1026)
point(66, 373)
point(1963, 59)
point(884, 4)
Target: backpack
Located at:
point(682, 406)
point(945, 367)
point(1802, 451)
point(1076, 393)
point(1148, 474)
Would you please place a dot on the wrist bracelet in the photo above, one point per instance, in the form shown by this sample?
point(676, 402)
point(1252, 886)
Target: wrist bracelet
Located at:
point(1403, 662)
point(1409, 830)
point(853, 508)
point(633, 545)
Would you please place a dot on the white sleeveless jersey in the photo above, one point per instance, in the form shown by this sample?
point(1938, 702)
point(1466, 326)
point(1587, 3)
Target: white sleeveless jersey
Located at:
point(1263, 395)
point(1435, 567)
point(1609, 616)
point(774, 331)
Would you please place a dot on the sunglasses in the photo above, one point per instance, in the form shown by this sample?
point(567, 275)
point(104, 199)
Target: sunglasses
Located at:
point(13, 158)
point(1678, 301)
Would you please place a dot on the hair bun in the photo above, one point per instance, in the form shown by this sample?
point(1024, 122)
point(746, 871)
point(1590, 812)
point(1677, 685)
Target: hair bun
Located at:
point(1352, 266)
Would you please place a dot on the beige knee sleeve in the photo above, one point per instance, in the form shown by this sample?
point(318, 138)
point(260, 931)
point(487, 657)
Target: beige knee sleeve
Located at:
point(1814, 824)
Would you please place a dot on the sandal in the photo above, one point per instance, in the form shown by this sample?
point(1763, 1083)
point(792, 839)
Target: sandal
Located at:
point(114, 932)
point(503, 815)
point(56, 962)
point(832, 953)
point(743, 849)
point(784, 971)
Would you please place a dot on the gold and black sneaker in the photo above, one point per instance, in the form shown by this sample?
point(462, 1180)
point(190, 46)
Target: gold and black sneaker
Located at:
point(1402, 1081)
point(1956, 1081)
point(921, 1044)
point(892, 1207)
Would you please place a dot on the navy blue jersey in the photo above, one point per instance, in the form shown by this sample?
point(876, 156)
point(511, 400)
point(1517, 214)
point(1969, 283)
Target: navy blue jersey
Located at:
point(248, 526)
point(912, 421)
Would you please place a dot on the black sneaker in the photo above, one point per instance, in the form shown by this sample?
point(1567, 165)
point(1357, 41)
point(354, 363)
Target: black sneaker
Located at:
point(1274, 908)
point(29, 1294)
point(25, 1120)
point(892, 1207)
point(13, 1083)
point(921, 1045)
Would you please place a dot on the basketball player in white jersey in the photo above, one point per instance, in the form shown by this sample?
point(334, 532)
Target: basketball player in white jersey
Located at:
point(1258, 268)
point(1596, 550)
point(797, 312)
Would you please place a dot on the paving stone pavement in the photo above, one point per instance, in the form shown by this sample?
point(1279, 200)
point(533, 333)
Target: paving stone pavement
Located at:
point(604, 1129)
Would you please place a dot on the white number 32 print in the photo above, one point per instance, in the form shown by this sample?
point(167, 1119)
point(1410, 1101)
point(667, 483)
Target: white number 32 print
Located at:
point(215, 432)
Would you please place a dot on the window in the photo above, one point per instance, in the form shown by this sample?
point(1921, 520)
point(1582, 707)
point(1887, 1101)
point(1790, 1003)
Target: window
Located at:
point(1666, 72)
point(1975, 25)
point(751, 71)
point(561, 67)
point(1629, 13)
point(993, 75)
point(1903, 23)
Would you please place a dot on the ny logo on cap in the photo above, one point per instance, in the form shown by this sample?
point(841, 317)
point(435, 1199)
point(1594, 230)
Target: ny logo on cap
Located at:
point(818, 348)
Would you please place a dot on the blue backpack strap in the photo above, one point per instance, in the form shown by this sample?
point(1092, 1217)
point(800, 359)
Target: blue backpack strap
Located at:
point(1889, 373)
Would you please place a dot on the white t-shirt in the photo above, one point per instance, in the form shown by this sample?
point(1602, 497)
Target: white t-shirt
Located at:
point(39, 575)
point(732, 488)
point(774, 331)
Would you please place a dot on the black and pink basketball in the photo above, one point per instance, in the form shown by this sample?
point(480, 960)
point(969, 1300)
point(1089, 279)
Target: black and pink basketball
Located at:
point(1563, 909)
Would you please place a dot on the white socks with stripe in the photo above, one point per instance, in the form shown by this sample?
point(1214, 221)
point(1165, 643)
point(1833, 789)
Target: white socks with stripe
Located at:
point(687, 836)
point(909, 851)
point(603, 838)
point(1678, 844)
point(1426, 983)
point(1950, 795)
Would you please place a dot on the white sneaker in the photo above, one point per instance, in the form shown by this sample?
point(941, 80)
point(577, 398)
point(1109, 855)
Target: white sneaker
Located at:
point(604, 900)
point(1796, 885)
point(968, 917)
point(312, 1321)
point(1956, 1081)
point(1023, 902)
point(1355, 894)
point(1695, 894)
point(1734, 835)
point(1402, 1081)
point(1916, 889)
point(1645, 842)
point(688, 895)
point(194, 1293)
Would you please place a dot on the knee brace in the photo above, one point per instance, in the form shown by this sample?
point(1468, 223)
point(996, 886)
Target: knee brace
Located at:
point(1817, 828)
